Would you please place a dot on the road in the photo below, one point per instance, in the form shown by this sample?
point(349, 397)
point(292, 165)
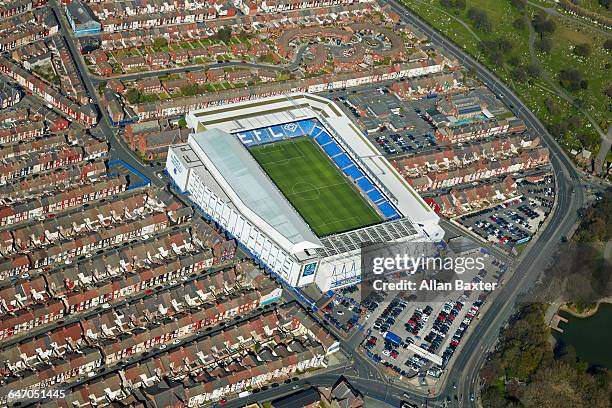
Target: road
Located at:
point(569, 198)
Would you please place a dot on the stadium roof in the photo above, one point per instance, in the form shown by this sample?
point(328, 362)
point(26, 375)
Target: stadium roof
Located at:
point(252, 185)
point(391, 231)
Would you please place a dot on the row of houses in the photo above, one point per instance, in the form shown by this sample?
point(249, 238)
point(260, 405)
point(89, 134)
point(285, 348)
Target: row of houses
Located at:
point(272, 23)
point(11, 8)
point(41, 144)
point(120, 273)
point(21, 131)
point(70, 80)
point(82, 113)
point(480, 130)
point(108, 12)
point(23, 29)
point(68, 226)
point(142, 324)
point(69, 198)
point(145, 215)
point(47, 183)
point(269, 348)
point(150, 20)
point(178, 106)
point(131, 16)
point(250, 7)
point(10, 116)
point(462, 201)
point(459, 156)
point(52, 157)
point(417, 88)
point(159, 59)
point(479, 171)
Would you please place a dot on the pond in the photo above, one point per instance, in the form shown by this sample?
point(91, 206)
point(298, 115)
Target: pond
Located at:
point(590, 336)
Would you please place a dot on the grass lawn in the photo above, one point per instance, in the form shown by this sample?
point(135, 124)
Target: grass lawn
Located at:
point(314, 186)
point(569, 32)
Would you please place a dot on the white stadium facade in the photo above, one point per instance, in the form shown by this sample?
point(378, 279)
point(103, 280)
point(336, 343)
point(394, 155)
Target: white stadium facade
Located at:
point(216, 172)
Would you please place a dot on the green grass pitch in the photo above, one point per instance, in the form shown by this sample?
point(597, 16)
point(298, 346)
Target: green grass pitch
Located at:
point(320, 193)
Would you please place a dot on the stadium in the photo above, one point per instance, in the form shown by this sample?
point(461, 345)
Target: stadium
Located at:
point(298, 185)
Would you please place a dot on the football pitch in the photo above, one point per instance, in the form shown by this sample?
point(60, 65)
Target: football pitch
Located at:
point(319, 192)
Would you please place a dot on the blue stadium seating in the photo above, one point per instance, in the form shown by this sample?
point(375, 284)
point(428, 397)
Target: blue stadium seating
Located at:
point(387, 209)
point(332, 149)
point(323, 138)
point(353, 172)
point(375, 196)
point(307, 126)
point(343, 160)
point(316, 130)
point(365, 185)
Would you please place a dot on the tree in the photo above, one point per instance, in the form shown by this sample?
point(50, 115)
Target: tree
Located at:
point(588, 141)
point(514, 60)
point(520, 74)
point(544, 44)
point(496, 49)
point(453, 4)
point(571, 79)
point(160, 42)
point(583, 50)
point(480, 19)
point(558, 129)
point(608, 45)
point(543, 25)
point(519, 23)
point(573, 122)
point(224, 34)
point(519, 4)
point(534, 70)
